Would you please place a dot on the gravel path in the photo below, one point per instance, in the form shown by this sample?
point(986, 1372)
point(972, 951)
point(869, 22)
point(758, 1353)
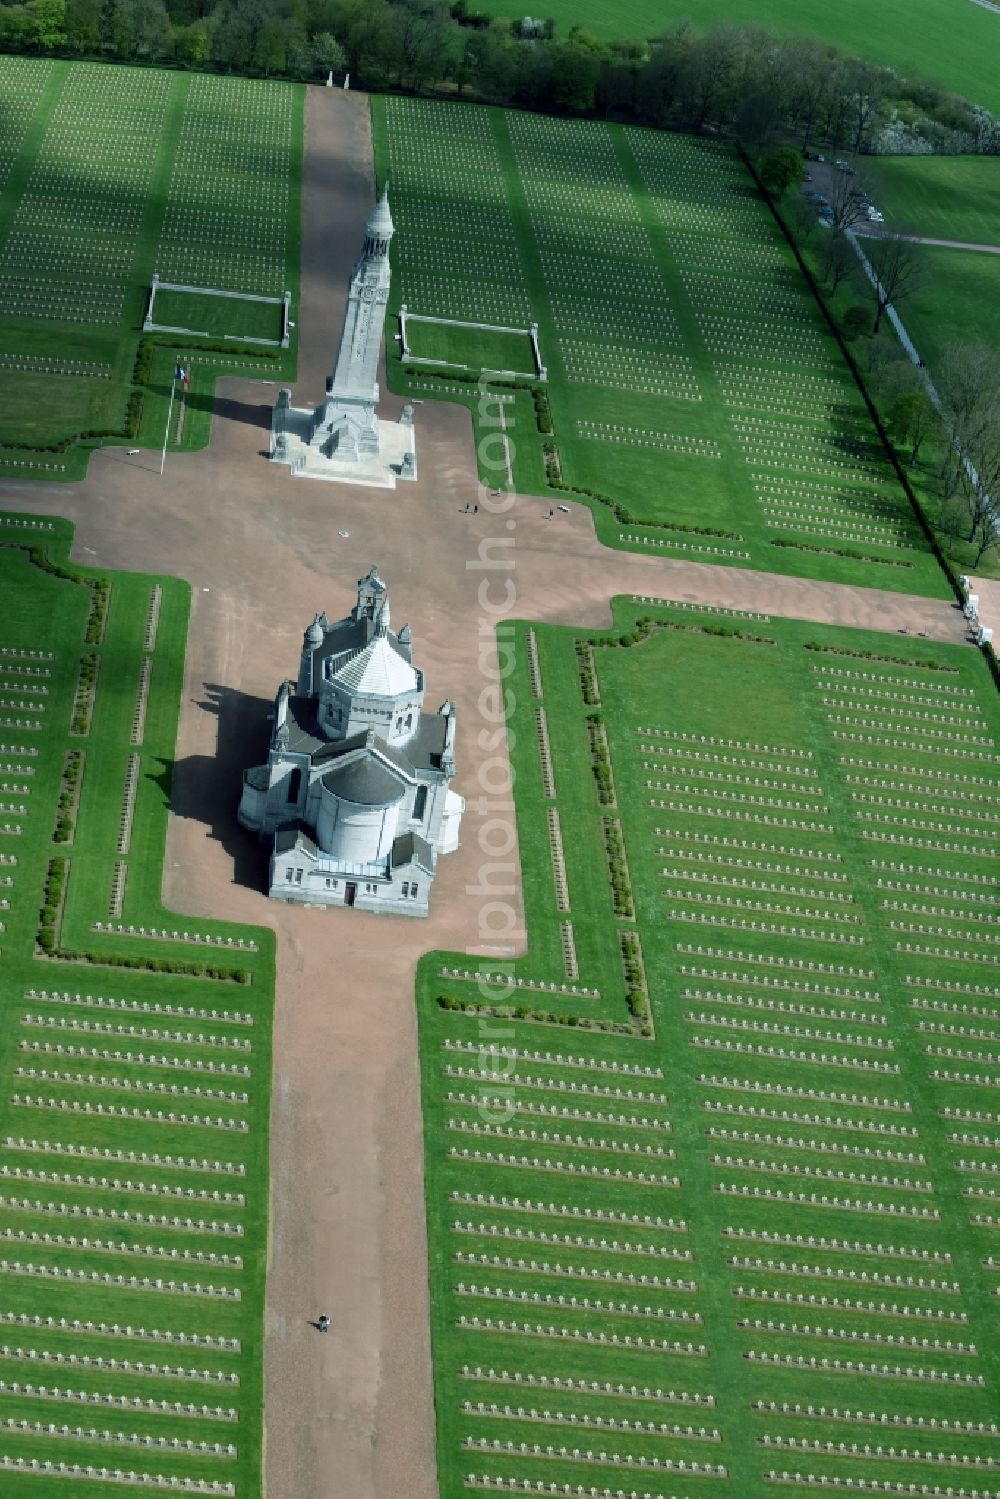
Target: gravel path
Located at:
point(352, 1413)
point(876, 231)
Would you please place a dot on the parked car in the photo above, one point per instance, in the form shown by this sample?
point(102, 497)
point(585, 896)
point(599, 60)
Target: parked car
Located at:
point(875, 216)
point(815, 197)
point(845, 166)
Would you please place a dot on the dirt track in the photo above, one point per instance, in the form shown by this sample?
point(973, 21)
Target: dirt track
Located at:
point(352, 1414)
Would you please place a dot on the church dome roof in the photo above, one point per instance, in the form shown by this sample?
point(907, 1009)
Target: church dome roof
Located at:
point(366, 782)
point(377, 669)
point(314, 634)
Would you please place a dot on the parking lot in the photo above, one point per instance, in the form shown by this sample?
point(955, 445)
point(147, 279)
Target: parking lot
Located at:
point(827, 180)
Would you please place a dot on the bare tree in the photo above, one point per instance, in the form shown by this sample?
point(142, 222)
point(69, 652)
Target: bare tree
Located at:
point(969, 386)
point(900, 270)
point(847, 200)
point(810, 72)
point(839, 260)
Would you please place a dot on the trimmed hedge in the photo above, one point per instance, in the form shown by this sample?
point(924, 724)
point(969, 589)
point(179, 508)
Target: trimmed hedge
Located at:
point(843, 650)
point(803, 546)
point(50, 914)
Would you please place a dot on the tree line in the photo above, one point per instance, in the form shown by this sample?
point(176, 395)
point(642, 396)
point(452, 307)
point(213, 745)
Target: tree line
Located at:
point(735, 79)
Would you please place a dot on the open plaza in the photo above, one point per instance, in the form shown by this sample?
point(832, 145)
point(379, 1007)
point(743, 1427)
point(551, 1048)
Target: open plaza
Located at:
point(659, 1158)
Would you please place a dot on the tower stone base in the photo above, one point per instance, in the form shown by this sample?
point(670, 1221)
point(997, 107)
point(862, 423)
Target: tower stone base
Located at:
point(293, 442)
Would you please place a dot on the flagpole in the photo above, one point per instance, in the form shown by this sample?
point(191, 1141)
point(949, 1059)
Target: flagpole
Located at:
point(166, 430)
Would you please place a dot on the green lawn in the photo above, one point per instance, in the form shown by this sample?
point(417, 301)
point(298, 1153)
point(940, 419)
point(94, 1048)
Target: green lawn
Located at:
point(218, 317)
point(134, 1070)
point(699, 401)
point(107, 175)
point(659, 1250)
point(952, 41)
point(942, 197)
point(960, 304)
point(471, 349)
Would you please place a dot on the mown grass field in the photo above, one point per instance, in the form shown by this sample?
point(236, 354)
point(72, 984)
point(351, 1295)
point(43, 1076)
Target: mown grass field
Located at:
point(959, 305)
point(108, 174)
point(472, 349)
point(941, 197)
point(134, 1070)
point(759, 1240)
point(952, 42)
point(699, 401)
point(956, 198)
point(219, 317)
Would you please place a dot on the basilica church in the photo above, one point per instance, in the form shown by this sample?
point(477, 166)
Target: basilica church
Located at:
point(355, 793)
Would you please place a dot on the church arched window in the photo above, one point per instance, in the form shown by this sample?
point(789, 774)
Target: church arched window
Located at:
point(294, 785)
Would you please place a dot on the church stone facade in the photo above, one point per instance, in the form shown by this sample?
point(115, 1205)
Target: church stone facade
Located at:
point(355, 795)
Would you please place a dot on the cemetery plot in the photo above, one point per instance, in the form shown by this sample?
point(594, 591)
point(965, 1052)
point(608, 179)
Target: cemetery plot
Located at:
point(69, 252)
point(752, 1236)
point(455, 254)
point(112, 175)
point(228, 221)
point(787, 399)
point(22, 81)
point(668, 306)
point(134, 1072)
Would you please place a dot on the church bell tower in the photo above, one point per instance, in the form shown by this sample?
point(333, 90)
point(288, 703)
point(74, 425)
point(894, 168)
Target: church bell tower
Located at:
point(342, 439)
point(347, 419)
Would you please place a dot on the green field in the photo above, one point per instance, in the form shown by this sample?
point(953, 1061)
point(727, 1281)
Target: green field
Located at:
point(952, 41)
point(218, 317)
point(108, 175)
point(472, 349)
point(692, 380)
point(743, 1226)
point(941, 197)
point(960, 304)
point(134, 1068)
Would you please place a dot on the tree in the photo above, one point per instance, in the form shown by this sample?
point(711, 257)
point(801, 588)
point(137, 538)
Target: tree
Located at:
point(781, 169)
point(706, 75)
point(809, 71)
point(899, 271)
point(575, 71)
point(839, 260)
point(83, 25)
point(328, 54)
point(270, 46)
point(492, 56)
point(616, 87)
point(969, 387)
point(912, 417)
point(846, 199)
point(855, 321)
point(194, 43)
point(45, 25)
point(151, 33)
point(425, 44)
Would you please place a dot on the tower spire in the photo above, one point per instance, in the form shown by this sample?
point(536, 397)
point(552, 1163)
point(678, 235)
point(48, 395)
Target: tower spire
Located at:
point(379, 227)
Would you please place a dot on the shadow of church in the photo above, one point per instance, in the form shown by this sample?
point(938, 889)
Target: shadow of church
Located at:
point(206, 788)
